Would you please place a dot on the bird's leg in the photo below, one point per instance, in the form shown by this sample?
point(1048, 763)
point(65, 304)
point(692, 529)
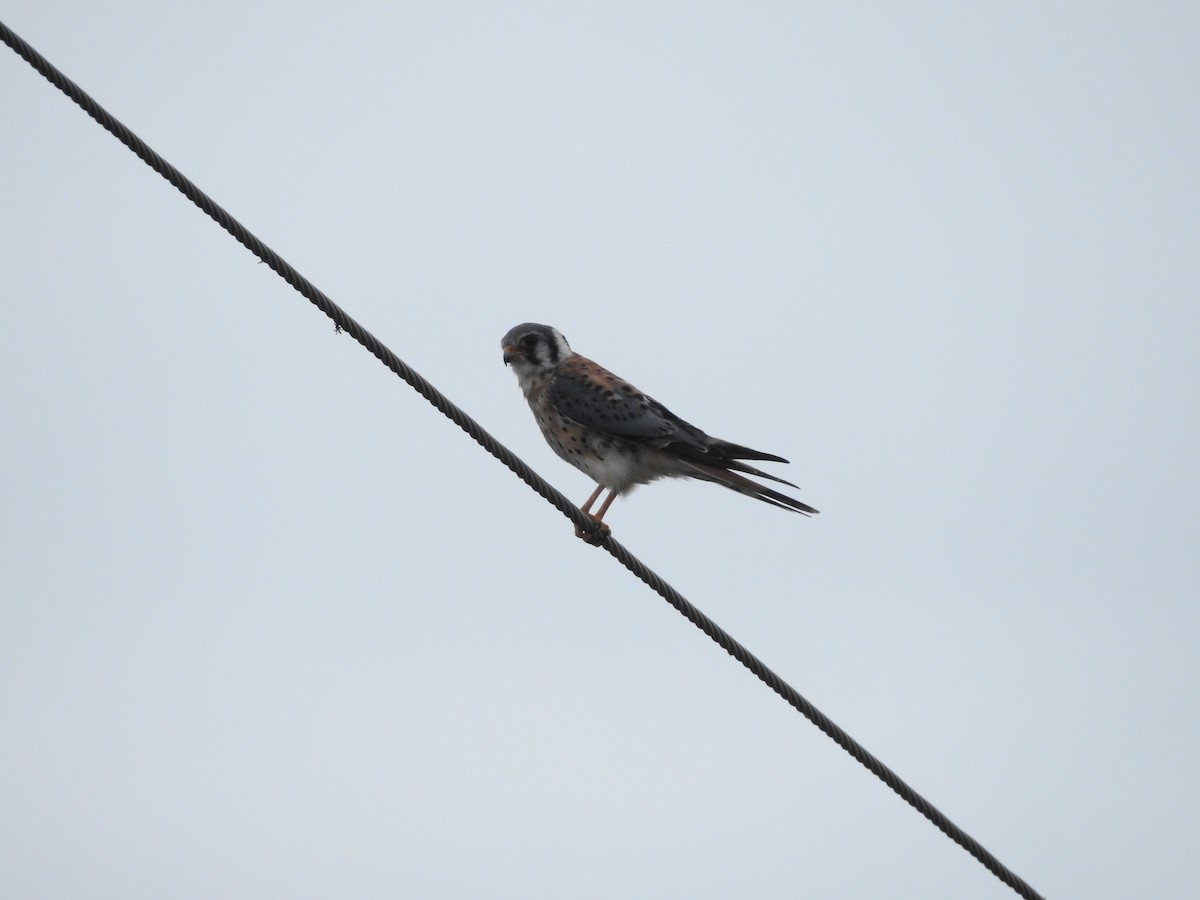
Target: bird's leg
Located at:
point(595, 517)
point(604, 507)
point(586, 509)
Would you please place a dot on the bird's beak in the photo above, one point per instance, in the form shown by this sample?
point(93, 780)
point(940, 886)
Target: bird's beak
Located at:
point(510, 353)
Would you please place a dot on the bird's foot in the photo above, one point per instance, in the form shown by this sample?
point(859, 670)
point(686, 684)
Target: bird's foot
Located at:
point(603, 531)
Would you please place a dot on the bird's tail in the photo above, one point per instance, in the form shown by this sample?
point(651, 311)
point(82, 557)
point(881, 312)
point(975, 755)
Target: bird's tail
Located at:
point(736, 482)
point(737, 451)
point(730, 455)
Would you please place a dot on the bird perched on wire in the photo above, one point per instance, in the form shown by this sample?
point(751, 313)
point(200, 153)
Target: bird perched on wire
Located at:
point(617, 435)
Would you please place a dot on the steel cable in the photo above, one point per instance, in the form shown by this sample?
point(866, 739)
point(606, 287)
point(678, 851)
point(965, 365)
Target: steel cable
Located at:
point(511, 460)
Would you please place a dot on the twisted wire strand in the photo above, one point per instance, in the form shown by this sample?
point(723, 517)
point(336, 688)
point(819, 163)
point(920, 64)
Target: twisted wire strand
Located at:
point(345, 323)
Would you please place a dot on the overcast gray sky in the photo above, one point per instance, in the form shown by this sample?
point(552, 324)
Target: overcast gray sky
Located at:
point(271, 626)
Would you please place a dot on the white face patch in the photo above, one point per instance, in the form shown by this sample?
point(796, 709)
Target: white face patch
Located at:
point(541, 350)
point(552, 348)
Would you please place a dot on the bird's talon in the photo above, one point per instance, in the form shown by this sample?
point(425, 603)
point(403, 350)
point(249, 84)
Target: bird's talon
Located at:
point(594, 539)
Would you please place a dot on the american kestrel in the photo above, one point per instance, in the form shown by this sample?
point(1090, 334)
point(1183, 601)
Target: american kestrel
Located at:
point(618, 436)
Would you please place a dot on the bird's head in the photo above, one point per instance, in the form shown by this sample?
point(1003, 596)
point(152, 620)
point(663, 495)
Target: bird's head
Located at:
point(533, 349)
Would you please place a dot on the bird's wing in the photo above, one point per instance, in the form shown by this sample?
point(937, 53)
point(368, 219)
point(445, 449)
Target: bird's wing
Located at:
point(599, 400)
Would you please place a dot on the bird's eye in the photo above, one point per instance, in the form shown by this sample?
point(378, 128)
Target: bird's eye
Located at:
point(529, 341)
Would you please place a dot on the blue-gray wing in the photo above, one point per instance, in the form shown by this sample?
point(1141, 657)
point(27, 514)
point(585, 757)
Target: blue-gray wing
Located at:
point(599, 400)
point(611, 406)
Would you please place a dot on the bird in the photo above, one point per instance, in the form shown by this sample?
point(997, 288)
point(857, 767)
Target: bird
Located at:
point(619, 436)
